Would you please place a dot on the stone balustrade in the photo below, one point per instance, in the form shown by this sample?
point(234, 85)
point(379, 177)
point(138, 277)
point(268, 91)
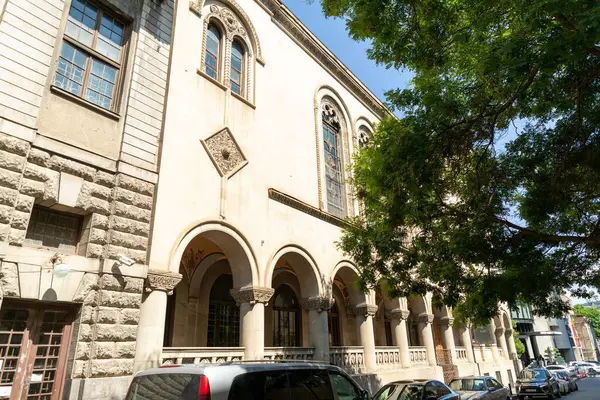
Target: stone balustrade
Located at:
point(387, 357)
point(461, 354)
point(418, 355)
point(289, 353)
point(201, 355)
point(350, 358)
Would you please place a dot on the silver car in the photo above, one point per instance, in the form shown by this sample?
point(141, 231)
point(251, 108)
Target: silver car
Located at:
point(256, 380)
point(480, 388)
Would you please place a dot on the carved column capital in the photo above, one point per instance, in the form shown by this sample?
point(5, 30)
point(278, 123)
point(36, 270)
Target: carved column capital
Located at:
point(397, 313)
point(161, 280)
point(509, 331)
point(317, 303)
point(196, 6)
point(426, 318)
point(365, 310)
point(252, 295)
point(500, 331)
point(447, 321)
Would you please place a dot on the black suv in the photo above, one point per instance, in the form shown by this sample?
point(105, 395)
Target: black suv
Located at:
point(537, 383)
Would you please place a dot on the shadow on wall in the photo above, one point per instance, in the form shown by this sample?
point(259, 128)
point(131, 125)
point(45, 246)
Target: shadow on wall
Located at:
point(153, 23)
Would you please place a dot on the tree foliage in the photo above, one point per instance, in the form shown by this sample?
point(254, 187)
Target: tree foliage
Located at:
point(519, 346)
point(592, 314)
point(454, 204)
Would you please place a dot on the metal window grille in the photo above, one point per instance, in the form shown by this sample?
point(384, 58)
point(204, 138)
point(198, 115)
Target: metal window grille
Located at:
point(53, 229)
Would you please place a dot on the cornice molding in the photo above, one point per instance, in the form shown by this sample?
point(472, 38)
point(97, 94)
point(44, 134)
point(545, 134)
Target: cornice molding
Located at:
point(305, 208)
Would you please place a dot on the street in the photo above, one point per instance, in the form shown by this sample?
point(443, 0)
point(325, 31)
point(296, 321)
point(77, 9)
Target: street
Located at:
point(589, 389)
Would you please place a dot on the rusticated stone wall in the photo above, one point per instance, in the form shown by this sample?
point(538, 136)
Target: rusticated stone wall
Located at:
point(119, 206)
point(108, 327)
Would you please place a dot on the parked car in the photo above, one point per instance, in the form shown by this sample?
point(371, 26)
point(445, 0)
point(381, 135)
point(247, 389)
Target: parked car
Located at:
point(563, 385)
point(536, 383)
point(570, 380)
point(571, 371)
point(592, 369)
point(246, 381)
point(581, 371)
point(416, 390)
point(479, 388)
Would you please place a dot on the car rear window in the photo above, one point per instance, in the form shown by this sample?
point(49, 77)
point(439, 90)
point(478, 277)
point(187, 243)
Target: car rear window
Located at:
point(299, 384)
point(165, 387)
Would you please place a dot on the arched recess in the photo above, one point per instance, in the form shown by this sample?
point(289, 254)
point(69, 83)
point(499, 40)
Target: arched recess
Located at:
point(417, 307)
point(383, 322)
point(328, 101)
point(347, 295)
point(230, 242)
point(363, 131)
point(302, 265)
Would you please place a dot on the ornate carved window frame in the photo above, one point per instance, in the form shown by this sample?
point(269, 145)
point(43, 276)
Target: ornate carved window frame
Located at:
point(327, 96)
point(235, 25)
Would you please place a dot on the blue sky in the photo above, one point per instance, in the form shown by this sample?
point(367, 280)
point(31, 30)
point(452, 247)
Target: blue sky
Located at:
point(332, 32)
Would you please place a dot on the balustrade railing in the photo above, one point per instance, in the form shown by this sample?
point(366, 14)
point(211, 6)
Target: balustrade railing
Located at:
point(201, 355)
point(350, 358)
point(289, 353)
point(387, 357)
point(461, 354)
point(418, 355)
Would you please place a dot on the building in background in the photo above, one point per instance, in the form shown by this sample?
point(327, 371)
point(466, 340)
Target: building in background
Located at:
point(82, 92)
point(587, 338)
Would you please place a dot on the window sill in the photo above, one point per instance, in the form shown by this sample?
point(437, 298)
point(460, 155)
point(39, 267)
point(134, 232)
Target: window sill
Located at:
point(243, 100)
point(59, 91)
point(211, 79)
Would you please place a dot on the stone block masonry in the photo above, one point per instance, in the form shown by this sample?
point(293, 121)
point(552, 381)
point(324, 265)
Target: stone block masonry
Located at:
point(119, 206)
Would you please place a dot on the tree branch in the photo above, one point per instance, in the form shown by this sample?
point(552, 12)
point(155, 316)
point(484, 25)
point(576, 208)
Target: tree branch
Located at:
point(548, 238)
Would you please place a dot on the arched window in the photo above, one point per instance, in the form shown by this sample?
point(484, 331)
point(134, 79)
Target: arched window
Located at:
point(286, 318)
point(334, 181)
point(237, 67)
point(335, 337)
point(223, 315)
point(363, 137)
point(211, 54)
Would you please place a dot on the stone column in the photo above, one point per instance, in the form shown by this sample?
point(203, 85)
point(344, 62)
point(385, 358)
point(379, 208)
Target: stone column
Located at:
point(400, 332)
point(501, 340)
point(151, 328)
point(426, 334)
point(510, 340)
point(364, 322)
point(465, 334)
point(318, 324)
point(448, 337)
point(252, 301)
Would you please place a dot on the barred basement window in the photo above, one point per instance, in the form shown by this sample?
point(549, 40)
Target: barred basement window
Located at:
point(91, 55)
point(49, 228)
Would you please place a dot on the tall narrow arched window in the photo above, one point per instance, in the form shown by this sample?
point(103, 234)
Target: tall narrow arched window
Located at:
point(212, 52)
point(286, 318)
point(334, 182)
point(335, 337)
point(237, 67)
point(223, 315)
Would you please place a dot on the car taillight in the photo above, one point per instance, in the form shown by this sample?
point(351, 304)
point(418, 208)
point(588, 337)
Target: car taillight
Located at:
point(204, 393)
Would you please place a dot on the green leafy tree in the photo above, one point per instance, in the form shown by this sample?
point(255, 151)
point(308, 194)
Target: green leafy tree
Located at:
point(592, 314)
point(519, 346)
point(454, 203)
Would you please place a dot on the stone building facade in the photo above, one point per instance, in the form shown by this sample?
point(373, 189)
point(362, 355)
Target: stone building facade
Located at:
point(261, 124)
point(173, 180)
point(82, 93)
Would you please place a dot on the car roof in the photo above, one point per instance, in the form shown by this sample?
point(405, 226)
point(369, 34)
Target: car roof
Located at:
point(409, 381)
point(200, 369)
point(473, 377)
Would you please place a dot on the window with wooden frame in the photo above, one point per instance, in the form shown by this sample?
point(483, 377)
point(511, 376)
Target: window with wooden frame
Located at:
point(92, 54)
point(212, 52)
point(49, 228)
point(237, 67)
point(34, 342)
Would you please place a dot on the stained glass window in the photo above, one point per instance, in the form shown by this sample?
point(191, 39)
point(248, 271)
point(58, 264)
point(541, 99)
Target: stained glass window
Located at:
point(334, 181)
